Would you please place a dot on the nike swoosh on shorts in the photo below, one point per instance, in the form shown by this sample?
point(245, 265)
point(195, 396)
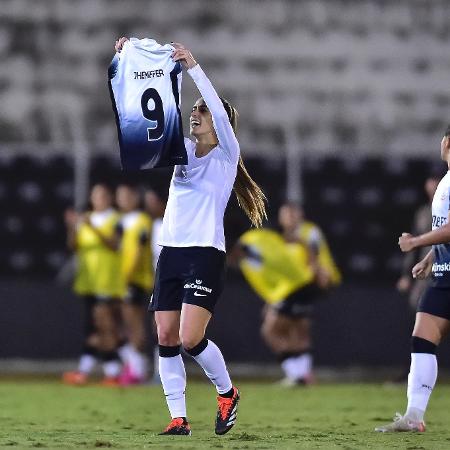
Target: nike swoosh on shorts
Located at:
point(197, 294)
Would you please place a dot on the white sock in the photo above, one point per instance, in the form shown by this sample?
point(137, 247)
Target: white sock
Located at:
point(173, 379)
point(212, 362)
point(87, 363)
point(137, 363)
point(421, 381)
point(289, 366)
point(304, 365)
point(297, 367)
point(124, 353)
point(112, 369)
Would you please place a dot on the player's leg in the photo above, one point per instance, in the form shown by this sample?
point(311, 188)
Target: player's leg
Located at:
point(427, 335)
point(302, 344)
point(288, 337)
point(171, 369)
point(275, 330)
point(108, 336)
point(89, 356)
point(133, 312)
point(194, 320)
point(202, 289)
point(166, 303)
point(432, 325)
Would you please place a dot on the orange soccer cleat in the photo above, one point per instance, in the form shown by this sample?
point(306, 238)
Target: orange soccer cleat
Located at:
point(178, 426)
point(75, 378)
point(227, 412)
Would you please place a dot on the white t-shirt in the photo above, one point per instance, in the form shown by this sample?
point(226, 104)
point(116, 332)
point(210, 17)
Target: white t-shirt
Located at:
point(440, 208)
point(98, 218)
point(199, 191)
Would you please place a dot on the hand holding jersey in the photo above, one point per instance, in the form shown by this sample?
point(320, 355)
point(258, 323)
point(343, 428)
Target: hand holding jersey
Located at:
point(183, 55)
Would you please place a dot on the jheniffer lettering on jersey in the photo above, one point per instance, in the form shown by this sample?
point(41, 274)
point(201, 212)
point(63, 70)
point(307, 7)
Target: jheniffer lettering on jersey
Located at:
point(145, 74)
point(198, 287)
point(438, 221)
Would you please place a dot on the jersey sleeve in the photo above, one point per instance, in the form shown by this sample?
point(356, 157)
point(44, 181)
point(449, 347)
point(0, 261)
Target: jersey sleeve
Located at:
point(224, 130)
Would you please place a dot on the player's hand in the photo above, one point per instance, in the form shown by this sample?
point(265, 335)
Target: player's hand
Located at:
point(421, 270)
point(323, 278)
point(403, 284)
point(406, 242)
point(182, 54)
point(119, 44)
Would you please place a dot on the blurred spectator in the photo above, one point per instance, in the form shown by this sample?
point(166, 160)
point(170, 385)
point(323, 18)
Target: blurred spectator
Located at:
point(98, 281)
point(155, 205)
point(290, 272)
point(136, 262)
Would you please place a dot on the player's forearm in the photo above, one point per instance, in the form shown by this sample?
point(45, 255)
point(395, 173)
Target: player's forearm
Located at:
point(112, 243)
point(429, 257)
point(439, 236)
point(208, 92)
point(222, 125)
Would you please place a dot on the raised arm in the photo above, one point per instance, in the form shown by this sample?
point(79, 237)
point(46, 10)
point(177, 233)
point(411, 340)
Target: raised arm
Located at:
point(222, 126)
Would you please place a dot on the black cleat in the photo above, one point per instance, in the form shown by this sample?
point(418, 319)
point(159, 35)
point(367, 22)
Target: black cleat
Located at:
point(227, 412)
point(178, 427)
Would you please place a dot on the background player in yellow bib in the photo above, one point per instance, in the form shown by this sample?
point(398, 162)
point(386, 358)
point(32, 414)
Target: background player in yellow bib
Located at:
point(134, 229)
point(98, 280)
point(288, 271)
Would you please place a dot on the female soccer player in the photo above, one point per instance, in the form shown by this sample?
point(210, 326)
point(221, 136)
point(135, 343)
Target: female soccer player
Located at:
point(288, 271)
point(191, 267)
point(134, 230)
point(433, 310)
point(98, 280)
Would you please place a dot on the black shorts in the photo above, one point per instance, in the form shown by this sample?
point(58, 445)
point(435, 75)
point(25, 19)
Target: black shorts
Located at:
point(299, 303)
point(136, 295)
point(193, 275)
point(435, 301)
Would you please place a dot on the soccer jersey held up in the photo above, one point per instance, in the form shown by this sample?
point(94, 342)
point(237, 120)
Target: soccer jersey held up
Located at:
point(145, 86)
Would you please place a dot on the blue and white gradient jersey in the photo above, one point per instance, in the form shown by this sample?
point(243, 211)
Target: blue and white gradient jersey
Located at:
point(200, 190)
point(145, 88)
point(440, 209)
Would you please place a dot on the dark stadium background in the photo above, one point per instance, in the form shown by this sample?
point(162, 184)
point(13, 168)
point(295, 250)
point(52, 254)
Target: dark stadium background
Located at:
point(342, 105)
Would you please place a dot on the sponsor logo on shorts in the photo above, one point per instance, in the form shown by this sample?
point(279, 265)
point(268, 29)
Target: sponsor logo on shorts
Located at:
point(444, 267)
point(198, 287)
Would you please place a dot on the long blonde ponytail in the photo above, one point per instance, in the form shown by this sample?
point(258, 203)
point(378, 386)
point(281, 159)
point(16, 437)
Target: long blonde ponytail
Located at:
point(250, 196)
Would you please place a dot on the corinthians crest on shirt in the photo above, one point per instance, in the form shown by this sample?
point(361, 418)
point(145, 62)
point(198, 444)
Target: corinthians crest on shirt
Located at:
point(198, 286)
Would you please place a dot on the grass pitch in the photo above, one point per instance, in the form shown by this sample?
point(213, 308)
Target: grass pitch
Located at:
point(46, 414)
